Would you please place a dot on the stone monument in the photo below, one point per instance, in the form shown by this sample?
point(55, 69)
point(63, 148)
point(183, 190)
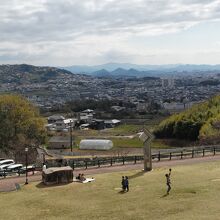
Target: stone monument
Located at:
point(146, 136)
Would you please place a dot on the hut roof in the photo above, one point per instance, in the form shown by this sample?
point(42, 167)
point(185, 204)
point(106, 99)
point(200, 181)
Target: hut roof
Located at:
point(57, 169)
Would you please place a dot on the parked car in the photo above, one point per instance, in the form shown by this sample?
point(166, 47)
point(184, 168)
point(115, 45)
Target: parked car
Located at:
point(30, 168)
point(14, 167)
point(5, 163)
point(4, 167)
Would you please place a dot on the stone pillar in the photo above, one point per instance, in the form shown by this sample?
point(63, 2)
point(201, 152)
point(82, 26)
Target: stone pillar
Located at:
point(147, 137)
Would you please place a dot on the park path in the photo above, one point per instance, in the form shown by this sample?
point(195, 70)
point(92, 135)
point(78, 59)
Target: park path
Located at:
point(8, 184)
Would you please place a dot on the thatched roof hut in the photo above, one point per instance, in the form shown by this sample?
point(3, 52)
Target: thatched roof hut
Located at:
point(56, 175)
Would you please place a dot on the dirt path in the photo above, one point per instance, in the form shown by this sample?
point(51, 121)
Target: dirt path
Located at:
point(8, 184)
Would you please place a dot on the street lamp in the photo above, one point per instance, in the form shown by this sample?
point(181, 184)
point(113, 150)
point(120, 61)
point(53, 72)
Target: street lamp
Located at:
point(26, 152)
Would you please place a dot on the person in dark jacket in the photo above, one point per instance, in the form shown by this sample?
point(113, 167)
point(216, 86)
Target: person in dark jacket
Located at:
point(123, 184)
point(126, 184)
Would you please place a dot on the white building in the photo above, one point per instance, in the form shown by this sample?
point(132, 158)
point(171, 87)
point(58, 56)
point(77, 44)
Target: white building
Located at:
point(65, 124)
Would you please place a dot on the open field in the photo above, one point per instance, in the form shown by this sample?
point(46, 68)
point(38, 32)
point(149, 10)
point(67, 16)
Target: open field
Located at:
point(121, 130)
point(122, 136)
point(195, 195)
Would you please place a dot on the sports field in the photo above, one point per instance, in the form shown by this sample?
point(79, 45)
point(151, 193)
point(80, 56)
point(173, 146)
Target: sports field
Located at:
point(195, 194)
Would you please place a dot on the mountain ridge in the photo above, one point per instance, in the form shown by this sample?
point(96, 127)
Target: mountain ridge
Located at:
point(148, 69)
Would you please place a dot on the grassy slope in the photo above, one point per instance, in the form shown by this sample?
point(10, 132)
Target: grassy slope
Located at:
point(195, 195)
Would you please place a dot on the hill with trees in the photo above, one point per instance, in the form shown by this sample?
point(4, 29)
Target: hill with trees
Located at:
point(201, 122)
point(24, 73)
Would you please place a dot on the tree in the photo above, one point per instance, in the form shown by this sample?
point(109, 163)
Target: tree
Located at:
point(198, 122)
point(20, 124)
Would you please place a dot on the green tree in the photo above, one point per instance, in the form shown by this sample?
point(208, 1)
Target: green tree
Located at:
point(20, 124)
point(198, 122)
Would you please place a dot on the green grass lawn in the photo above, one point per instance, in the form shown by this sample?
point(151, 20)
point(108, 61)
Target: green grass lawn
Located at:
point(195, 195)
point(126, 129)
point(137, 143)
point(122, 130)
point(127, 142)
point(116, 135)
point(112, 135)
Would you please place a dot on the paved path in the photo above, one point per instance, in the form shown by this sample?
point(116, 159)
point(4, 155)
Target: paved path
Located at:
point(8, 184)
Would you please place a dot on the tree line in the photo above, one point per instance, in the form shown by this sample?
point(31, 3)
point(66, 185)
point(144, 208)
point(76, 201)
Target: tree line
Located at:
point(200, 122)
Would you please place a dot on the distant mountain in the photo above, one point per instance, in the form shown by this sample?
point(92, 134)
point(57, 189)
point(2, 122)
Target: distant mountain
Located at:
point(24, 73)
point(134, 69)
point(130, 72)
point(108, 66)
point(119, 72)
point(101, 73)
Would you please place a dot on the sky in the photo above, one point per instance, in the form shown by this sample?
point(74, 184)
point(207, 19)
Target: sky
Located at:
point(91, 32)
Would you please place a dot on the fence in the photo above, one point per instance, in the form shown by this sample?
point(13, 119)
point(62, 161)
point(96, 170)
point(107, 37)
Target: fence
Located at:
point(19, 172)
point(122, 160)
point(85, 163)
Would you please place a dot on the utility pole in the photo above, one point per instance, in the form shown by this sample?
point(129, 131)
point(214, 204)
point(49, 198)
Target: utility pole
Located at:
point(147, 137)
point(71, 137)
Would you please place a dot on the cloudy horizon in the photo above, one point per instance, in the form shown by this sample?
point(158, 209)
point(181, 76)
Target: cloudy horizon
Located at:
point(91, 32)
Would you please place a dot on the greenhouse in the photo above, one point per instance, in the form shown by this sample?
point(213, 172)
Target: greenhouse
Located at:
point(95, 144)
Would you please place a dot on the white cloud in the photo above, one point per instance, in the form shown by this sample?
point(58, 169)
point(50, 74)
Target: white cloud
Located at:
point(51, 30)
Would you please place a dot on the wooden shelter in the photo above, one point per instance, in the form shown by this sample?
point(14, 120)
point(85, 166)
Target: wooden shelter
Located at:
point(57, 175)
point(60, 142)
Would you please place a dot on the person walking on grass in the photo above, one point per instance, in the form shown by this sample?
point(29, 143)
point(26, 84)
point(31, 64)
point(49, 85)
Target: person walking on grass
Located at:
point(123, 184)
point(126, 184)
point(168, 181)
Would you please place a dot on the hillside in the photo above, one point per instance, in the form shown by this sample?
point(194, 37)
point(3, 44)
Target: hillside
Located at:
point(194, 196)
point(24, 73)
point(201, 122)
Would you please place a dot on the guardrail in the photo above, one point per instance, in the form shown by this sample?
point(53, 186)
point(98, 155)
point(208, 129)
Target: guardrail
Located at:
point(122, 160)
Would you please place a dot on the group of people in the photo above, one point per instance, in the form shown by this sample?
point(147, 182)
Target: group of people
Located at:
point(124, 181)
point(81, 177)
point(125, 184)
